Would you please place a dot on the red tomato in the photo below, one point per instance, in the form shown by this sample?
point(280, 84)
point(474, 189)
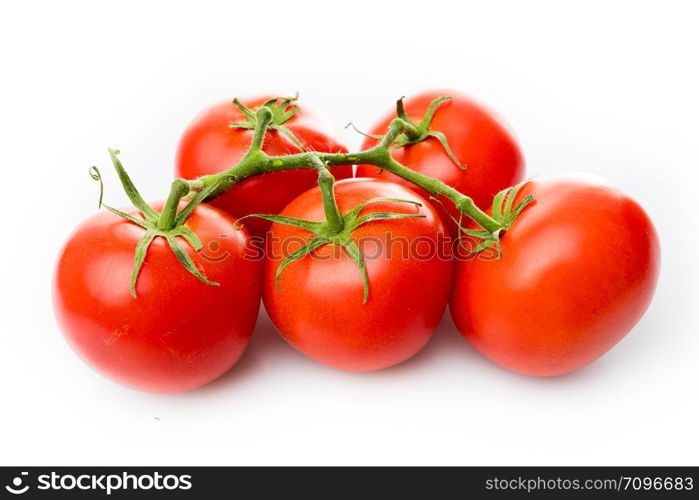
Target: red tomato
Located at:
point(179, 333)
point(210, 146)
point(318, 307)
point(578, 270)
point(478, 140)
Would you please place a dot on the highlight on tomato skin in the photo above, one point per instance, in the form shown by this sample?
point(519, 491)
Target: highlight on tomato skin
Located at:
point(209, 145)
point(318, 306)
point(578, 271)
point(478, 138)
point(179, 333)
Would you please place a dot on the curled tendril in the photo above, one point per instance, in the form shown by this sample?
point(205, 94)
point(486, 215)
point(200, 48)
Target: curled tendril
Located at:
point(96, 176)
point(371, 136)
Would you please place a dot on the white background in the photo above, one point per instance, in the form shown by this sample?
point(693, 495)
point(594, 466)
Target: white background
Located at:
point(607, 87)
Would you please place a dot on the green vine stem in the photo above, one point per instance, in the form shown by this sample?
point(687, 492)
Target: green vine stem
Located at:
point(257, 162)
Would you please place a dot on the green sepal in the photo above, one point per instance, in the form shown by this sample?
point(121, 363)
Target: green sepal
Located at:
point(289, 135)
point(281, 113)
point(497, 205)
point(418, 132)
point(476, 233)
point(355, 211)
point(189, 236)
point(323, 236)
point(280, 108)
point(400, 111)
point(311, 226)
point(186, 261)
point(512, 214)
point(431, 110)
point(298, 254)
point(504, 212)
point(144, 224)
point(131, 191)
point(374, 216)
point(141, 251)
point(150, 223)
point(354, 252)
point(181, 254)
point(248, 113)
point(447, 149)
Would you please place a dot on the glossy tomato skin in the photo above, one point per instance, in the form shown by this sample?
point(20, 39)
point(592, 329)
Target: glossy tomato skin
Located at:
point(477, 138)
point(318, 307)
point(209, 146)
point(578, 270)
point(179, 333)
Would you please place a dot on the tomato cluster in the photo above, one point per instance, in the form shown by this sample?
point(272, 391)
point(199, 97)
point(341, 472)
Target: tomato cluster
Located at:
point(569, 271)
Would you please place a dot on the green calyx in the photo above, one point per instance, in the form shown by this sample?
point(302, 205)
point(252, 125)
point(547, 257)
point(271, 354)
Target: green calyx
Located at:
point(283, 109)
point(415, 132)
point(324, 234)
point(505, 212)
point(168, 224)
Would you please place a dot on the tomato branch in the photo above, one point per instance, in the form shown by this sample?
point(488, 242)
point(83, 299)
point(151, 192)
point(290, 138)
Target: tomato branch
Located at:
point(257, 162)
point(337, 227)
